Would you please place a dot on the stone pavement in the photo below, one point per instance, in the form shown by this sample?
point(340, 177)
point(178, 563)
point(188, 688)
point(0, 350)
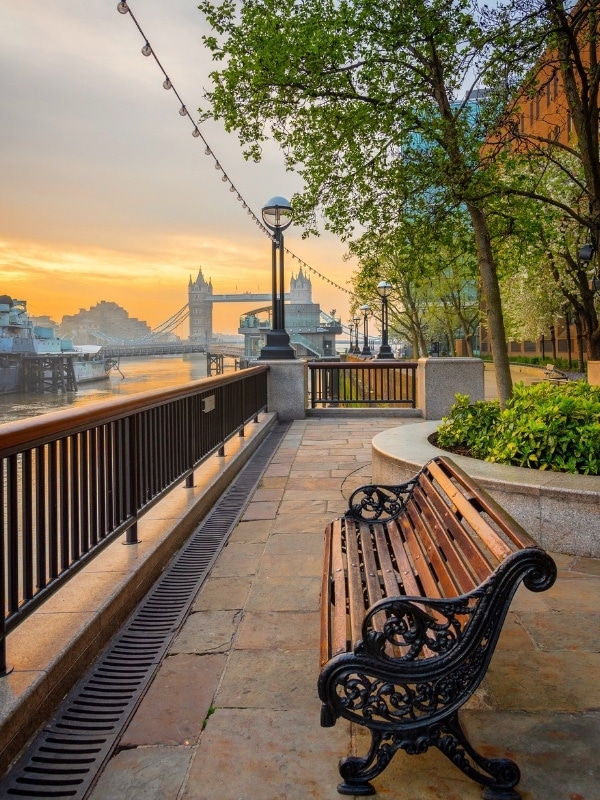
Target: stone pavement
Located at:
point(233, 712)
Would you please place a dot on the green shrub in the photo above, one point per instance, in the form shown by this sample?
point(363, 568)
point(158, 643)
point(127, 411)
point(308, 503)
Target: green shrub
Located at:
point(543, 426)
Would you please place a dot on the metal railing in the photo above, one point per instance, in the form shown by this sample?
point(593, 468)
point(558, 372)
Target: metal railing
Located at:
point(73, 480)
point(362, 384)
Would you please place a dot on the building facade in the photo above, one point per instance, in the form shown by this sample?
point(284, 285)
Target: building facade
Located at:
point(200, 302)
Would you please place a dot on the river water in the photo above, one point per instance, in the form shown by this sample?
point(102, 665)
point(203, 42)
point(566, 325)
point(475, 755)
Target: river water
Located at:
point(138, 375)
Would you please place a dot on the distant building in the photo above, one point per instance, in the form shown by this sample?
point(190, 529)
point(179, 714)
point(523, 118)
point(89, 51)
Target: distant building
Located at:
point(104, 322)
point(312, 332)
point(200, 305)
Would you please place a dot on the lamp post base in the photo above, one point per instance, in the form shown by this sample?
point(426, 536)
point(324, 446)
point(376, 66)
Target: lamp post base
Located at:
point(277, 347)
point(385, 351)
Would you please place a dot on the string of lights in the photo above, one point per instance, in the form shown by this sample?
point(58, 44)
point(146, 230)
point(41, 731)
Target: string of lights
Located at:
point(147, 50)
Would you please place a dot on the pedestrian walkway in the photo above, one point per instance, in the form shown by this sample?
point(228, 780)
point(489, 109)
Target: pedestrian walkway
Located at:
point(233, 713)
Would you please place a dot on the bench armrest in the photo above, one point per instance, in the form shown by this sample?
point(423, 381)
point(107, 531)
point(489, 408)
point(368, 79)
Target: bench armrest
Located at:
point(424, 626)
point(416, 625)
point(381, 503)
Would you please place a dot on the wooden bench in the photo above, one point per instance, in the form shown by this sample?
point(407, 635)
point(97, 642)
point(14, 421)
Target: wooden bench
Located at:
point(417, 582)
point(554, 375)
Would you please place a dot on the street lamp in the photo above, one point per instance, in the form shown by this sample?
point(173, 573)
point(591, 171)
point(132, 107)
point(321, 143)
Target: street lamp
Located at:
point(585, 257)
point(366, 351)
point(277, 216)
point(384, 289)
point(356, 320)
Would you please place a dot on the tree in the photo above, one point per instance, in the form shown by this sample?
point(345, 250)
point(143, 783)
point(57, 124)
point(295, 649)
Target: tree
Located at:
point(552, 55)
point(363, 98)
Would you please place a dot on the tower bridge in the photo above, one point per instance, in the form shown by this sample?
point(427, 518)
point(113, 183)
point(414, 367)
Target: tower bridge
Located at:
point(310, 328)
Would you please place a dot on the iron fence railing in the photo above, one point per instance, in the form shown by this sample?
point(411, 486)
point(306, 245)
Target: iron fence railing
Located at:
point(73, 480)
point(362, 383)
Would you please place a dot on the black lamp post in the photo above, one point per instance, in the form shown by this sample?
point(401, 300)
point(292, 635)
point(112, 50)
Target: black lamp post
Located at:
point(384, 289)
point(356, 320)
point(585, 256)
point(277, 216)
point(366, 351)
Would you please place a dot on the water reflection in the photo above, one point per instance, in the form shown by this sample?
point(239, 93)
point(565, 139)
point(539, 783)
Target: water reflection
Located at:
point(139, 375)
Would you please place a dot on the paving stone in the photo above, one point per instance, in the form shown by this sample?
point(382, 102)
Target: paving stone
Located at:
point(285, 594)
point(255, 531)
point(151, 773)
point(260, 511)
point(558, 754)
point(289, 544)
point(279, 630)
point(545, 682)
point(207, 632)
point(271, 680)
point(175, 706)
point(223, 594)
point(262, 494)
point(268, 756)
point(238, 559)
point(564, 631)
point(572, 592)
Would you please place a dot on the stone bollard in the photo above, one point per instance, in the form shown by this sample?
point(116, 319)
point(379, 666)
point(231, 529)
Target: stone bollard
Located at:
point(439, 380)
point(286, 387)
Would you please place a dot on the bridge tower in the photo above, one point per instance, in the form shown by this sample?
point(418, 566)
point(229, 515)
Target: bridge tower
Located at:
point(200, 304)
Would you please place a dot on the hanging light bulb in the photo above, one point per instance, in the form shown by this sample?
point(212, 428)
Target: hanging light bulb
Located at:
point(217, 165)
point(167, 83)
point(183, 111)
point(195, 133)
point(224, 178)
point(232, 188)
point(123, 8)
point(146, 50)
point(208, 151)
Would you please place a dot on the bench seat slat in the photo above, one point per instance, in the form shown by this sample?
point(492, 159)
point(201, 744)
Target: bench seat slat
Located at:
point(356, 603)
point(339, 636)
point(371, 570)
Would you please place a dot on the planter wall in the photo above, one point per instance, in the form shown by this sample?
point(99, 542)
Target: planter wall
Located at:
point(561, 512)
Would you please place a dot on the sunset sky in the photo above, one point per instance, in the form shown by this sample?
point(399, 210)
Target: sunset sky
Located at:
point(104, 192)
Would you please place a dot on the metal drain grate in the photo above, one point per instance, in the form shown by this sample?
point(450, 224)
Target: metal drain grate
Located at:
point(66, 757)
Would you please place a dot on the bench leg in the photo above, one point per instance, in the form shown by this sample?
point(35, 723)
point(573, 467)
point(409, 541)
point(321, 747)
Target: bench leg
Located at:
point(357, 772)
point(498, 776)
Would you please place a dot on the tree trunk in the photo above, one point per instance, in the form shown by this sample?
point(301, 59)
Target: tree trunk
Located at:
point(579, 329)
point(491, 293)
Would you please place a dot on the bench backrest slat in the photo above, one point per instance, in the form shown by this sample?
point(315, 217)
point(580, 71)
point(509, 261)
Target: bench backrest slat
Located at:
point(455, 541)
point(510, 527)
point(444, 555)
point(409, 583)
point(487, 534)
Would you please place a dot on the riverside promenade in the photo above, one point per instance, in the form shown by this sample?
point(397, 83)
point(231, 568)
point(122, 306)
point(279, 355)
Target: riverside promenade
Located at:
point(233, 713)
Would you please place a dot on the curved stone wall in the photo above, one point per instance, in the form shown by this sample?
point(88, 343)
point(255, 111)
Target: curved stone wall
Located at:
point(561, 512)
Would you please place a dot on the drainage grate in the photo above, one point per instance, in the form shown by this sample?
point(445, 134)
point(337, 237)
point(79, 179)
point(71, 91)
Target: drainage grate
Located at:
point(66, 757)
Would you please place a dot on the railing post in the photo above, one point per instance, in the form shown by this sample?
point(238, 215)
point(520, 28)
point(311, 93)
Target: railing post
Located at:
point(191, 439)
point(4, 669)
point(132, 467)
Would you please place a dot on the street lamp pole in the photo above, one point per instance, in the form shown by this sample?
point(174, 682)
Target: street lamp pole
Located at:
point(384, 290)
point(366, 351)
point(356, 320)
point(277, 216)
